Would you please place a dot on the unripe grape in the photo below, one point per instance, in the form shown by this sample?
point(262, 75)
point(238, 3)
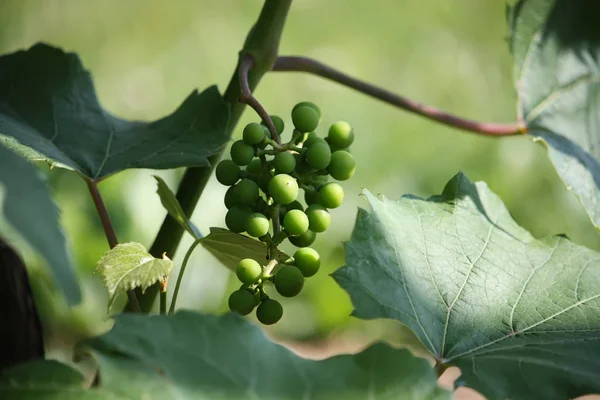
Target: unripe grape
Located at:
point(307, 261)
point(261, 206)
point(311, 139)
point(342, 165)
point(319, 180)
point(302, 167)
point(311, 197)
point(255, 166)
point(288, 281)
point(305, 119)
point(242, 302)
point(257, 225)
point(248, 271)
point(295, 222)
point(308, 104)
point(241, 153)
point(246, 192)
point(331, 195)
point(294, 205)
point(269, 312)
point(263, 182)
point(235, 219)
point(283, 189)
point(318, 155)
point(230, 198)
point(253, 133)
point(227, 172)
point(304, 240)
point(340, 135)
point(318, 218)
point(284, 162)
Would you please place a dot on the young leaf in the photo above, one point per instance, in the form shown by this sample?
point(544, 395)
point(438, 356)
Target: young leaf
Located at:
point(230, 248)
point(48, 103)
point(128, 266)
point(519, 316)
point(188, 355)
point(31, 211)
point(171, 204)
point(556, 47)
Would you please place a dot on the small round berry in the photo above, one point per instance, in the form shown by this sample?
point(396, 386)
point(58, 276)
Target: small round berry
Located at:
point(311, 197)
point(331, 195)
point(342, 165)
point(318, 218)
point(269, 312)
point(288, 281)
point(311, 139)
point(319, 180)
point(235, 219)
point(295, 222)
point(257, 225)
point(340, 135)
point(241, 153)
point(227, 172)
point(230, 198)
point(255, 166)
point(304, 240)
point(307, 261)
point(246, 192)
point(261, 206)
point(305, 119)
point(302, 167)
point(253, 133)
point(242, 302)
point(318, 155)
point(308, 104)
point(283, 189)
point(284, 162)
point(248, 271)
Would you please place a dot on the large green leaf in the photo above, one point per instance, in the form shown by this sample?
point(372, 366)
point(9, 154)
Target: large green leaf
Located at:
point(48, 103)
point(128, 266)
point(519, 316)
point(31, 211)
point(556, 46)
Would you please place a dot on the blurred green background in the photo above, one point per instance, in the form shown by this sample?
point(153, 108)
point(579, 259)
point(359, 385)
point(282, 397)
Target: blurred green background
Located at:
point(147, 56)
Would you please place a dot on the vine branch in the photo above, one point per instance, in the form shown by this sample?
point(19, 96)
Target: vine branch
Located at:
point(304, 64)
point(246, 97)
point(109, 231)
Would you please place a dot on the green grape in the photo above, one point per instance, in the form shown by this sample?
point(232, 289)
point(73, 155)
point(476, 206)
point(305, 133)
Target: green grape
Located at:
point(284, 162)
point(295, 222)
point(342, 165)
point(304, 240)
point(294, 205)
point(311, 197)
point(246, 192)
point(340, 135)
point(305, 119)
point(255, 166)
point(318, 218)
point(311, 139)
point(227, 172)
point(288, 281)
point(263, 182)
point(242, 302)
point(261, 206)
point(269, 312)
point(302, 167)
point(248, 271)
point(241, 153)
point(318, 155)
point(331, 195)
point(257, 225)
point(319, 180)
point(235, 219)
point(283, 189)
point(308, 104)
point(253, 133)
point(307, 261)
point(230, 198)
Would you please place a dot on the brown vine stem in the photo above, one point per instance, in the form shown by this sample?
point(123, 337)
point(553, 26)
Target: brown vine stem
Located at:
point(246, 96)
point(304, 64)
point(109, 231)
point(440, 368)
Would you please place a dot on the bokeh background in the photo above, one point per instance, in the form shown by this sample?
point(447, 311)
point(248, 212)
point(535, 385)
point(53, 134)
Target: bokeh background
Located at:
point(146, 56)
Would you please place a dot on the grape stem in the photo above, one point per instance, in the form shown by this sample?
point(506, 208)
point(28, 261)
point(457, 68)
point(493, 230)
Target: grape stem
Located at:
point(305, 64)
point(181, 272)
point(276, 231)
point(270, 266)
point(246, 97)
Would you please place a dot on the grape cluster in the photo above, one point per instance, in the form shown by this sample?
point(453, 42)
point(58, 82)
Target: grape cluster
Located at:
point(265, 179)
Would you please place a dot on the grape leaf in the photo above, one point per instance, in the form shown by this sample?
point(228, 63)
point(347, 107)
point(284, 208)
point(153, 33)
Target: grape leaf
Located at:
point(230, 248)
point(171, 204)
point(48, 103)
point(556, 47)
point(519, 316)
point(31, 211)
point(129, 265)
